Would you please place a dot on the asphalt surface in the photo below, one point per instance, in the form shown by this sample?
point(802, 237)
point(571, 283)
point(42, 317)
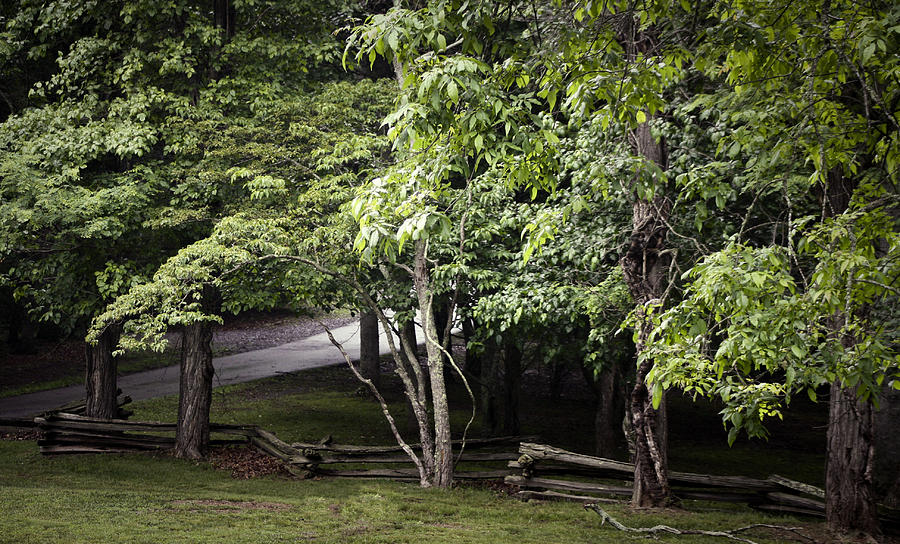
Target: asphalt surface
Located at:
point(311, 352)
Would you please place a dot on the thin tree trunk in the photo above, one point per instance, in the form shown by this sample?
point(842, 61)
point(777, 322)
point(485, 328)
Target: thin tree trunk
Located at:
point(100, 375)
point(192, 435)
point(644, 267)
point(490, 410)
point(849, 495)
point(441, 308)
point(443, 457)
point(408, 330)
point(369, 359)
point(512, 380)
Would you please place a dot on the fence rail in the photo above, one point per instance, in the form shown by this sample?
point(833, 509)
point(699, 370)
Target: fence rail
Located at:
point(539, 471)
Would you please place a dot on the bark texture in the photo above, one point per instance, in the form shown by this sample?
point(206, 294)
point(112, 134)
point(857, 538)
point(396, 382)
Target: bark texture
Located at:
point(101, 370)
point(192, 435)
point(644, 266)
point(368, 348)
point(443, 455)
point(849, 473)
point(849, 496)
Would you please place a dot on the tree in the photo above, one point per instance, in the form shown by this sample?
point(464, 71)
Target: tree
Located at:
point(105, 162)
point(814, 304)
point(322, 143)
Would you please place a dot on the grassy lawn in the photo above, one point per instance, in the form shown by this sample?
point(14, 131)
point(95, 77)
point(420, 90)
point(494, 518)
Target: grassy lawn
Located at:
point(156, 498)
point(145, 498)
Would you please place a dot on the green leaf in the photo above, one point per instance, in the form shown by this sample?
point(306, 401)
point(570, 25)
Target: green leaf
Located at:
point(452, 91)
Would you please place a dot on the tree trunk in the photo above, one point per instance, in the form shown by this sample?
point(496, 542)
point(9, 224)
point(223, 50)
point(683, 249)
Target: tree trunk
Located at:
point(512, 381)
point(100, 375)
point(223, 17)
point(644, 267)
point(192, 435)
point(608, 412)
point(490, 385)
point(408, 330)
point(443, 455)
point(849, 468)
point(887, 448)
point(849, 497)
point(473, 360)
point(369, 359)
point(441, 308)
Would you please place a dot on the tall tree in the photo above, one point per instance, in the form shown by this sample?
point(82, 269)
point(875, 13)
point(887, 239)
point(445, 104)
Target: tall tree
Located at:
point(101, 160)
point(812, 303)
point(325, 142)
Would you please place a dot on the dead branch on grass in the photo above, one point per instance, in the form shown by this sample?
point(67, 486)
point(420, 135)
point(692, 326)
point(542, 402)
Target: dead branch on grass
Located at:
point(731, 535)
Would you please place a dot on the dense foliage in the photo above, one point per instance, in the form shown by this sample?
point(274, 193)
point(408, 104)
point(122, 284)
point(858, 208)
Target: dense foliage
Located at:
point(719, 177)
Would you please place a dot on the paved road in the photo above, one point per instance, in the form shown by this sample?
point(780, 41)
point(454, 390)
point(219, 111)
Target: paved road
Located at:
point(311, 352)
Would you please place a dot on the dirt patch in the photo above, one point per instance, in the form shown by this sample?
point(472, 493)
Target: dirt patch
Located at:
point(245, 462)
point(22, 435)
point(223, 506)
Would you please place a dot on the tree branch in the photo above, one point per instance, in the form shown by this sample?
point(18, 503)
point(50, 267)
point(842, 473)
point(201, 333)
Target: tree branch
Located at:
point(731, 535)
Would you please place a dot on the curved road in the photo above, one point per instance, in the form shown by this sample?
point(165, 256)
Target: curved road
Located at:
point(311, 352)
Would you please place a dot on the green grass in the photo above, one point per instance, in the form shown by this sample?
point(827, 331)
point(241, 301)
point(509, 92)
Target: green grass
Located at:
point(156, 498)
point(144, 498)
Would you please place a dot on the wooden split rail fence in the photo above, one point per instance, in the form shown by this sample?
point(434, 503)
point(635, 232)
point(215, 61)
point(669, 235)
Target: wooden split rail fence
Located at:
point(347, 461)
point(542, 466)
point(73, 433)
point(595, 479)
point(542, 472)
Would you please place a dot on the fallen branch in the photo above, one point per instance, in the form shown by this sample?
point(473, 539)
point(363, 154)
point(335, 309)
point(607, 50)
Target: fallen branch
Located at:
point(731, 535)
